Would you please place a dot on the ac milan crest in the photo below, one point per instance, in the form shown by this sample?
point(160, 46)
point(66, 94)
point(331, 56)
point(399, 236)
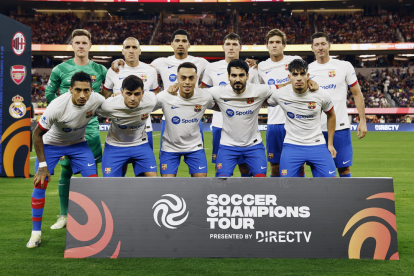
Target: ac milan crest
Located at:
point(18, 43)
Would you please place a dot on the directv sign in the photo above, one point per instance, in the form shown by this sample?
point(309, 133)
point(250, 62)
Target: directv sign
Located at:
point(232, 217)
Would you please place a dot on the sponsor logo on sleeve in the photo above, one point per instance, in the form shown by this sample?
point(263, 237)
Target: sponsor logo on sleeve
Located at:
point(18, 73)
point(17, 109)
point(18, 43)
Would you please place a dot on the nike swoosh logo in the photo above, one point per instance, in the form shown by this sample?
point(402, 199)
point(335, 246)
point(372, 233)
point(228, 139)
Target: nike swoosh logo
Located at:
point(96, 158)
point(226, 101)
point(287, 103)
point(267, 72)
point(311, 77)
point(91, 164)
point(174, 107)
point(153, 167)
point(121, 78)
point(262, 167)
point(331, 172)
point(220, 74)
point(346, 162)
point(169, 67)
point(201, 167)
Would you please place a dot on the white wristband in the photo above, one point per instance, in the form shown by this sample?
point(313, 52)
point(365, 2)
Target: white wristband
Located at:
point(42, 164)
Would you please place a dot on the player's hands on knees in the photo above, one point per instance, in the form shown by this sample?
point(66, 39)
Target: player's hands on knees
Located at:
point(116, 94)
point(173, 89)
point(40, 177)
point(362, 130)
point(252, 63)
point(313, 86)
point(116, 64)
point(332, 150)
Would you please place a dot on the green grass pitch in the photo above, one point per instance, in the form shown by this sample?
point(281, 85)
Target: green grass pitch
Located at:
point(380, 154)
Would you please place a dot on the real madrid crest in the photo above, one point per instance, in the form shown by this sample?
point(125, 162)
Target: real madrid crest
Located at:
point(17, 108)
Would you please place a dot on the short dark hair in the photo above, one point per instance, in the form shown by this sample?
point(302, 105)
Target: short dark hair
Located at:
point(298, 65)
point(80, 32)
point(132, 83)
point(318, 35)
point(80, 76)
point(232, 36)
point(276, 32)
point(187, 65)
point(238, 63)
point(180, 32)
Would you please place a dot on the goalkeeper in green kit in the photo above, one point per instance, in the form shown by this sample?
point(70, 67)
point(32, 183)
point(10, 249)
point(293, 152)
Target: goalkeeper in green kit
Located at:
point(60, 78)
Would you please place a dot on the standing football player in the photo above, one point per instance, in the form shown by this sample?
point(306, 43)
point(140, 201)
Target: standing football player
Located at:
point(216, 75)
point(335, 77)
point(60, 78)
point(61, 132)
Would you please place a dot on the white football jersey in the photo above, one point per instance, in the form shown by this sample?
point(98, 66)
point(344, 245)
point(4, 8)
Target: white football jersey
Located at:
point(275, 73)
point(240, 113)
point(127, 125)
point(334, 77)
point(303, 114)
point(65, 122)
point(144, 71)
point(216, 75)
point(182, 132)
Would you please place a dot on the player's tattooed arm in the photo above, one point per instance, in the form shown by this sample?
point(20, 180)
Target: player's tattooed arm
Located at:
point(360, 105)
point(116, 64)
point(331, 123)
point(42, 173)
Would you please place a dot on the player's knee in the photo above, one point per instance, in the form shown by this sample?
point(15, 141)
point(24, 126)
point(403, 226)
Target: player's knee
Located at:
point(346, 170)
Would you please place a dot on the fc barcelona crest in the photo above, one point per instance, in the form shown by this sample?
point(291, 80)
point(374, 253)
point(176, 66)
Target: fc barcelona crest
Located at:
point(18, 73)
point(284, 172)
point(287, 67)
point(332, 74)
point(197, 108)
point(144, 116)
point(107, 170)
point(270, 155)
point(219, 165)
point(214, 156)
point(93, 78)
point(89, 114)
point(164, 167)
point(311, 105)
point(143, 78)
point(62, 158)
point(250, 100)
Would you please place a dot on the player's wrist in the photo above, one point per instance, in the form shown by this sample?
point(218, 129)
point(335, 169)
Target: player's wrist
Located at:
point(42, 164)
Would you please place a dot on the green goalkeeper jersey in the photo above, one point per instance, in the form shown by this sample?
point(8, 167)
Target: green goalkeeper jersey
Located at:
point(61, 76)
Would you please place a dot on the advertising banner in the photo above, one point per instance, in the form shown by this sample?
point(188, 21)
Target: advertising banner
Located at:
point(232, 218)
point(15, 92)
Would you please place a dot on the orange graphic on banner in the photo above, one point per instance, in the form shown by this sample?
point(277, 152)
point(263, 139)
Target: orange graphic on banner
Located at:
point(372, 229)
point(93, 226)
point(18, 140)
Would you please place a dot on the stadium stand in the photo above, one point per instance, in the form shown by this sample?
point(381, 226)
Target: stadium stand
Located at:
point(406, 25)
point(51, 29)
point(115, 32)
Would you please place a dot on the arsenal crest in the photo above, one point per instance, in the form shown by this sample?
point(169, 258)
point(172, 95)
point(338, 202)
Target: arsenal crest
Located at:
point(18, 73)
point(89, 114)
point(332, 74)
point(311, 105)
point(197, 108)
point(93, 78)
point(250, 100)
point(219, 165)
point(164, 167)
point(270, 155)
point(107, 170)
point(143, 78)
point(144, 116)
point(284, 172)
point(17, 109)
